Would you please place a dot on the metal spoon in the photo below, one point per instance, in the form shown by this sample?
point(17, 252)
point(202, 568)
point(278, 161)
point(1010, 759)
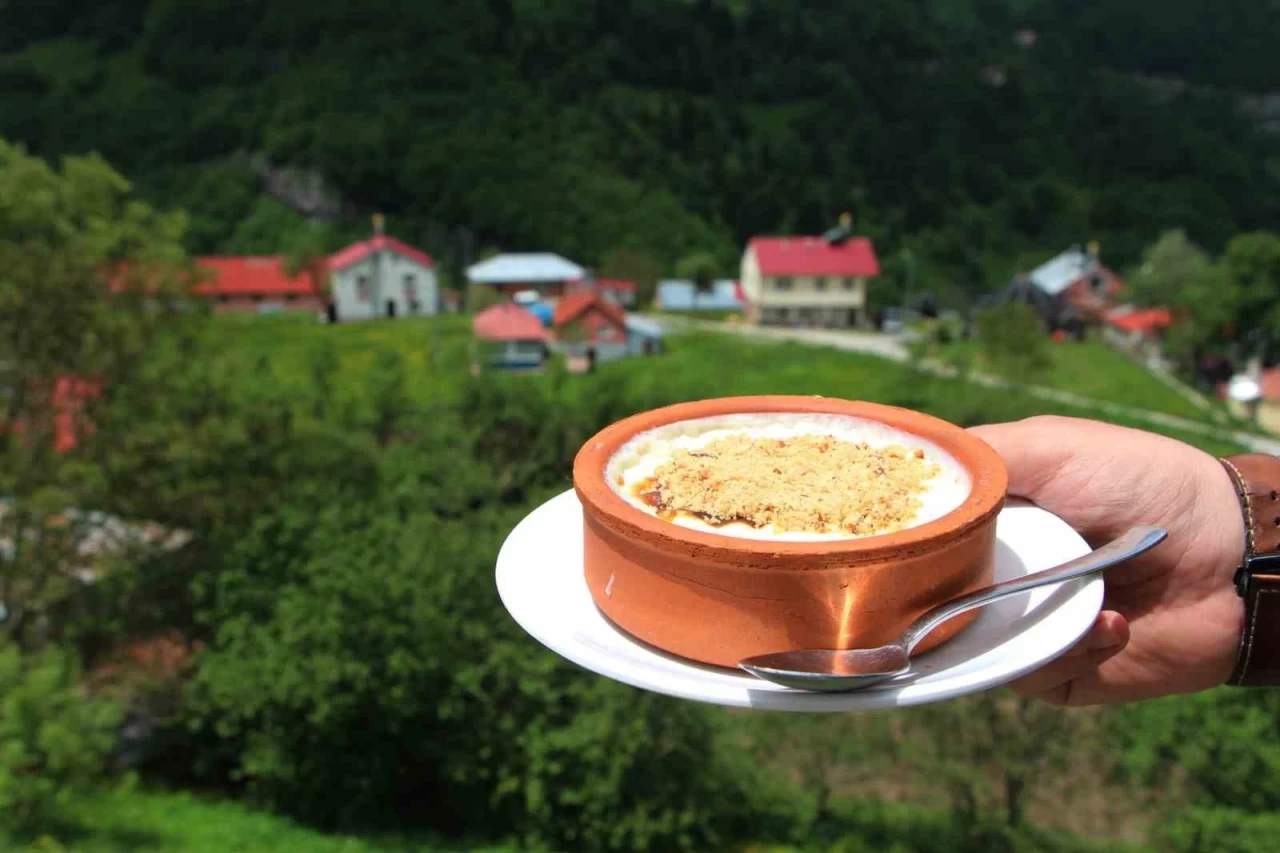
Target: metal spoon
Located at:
point(835, 671)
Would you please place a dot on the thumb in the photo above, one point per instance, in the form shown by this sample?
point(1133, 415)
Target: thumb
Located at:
point(1034, 450)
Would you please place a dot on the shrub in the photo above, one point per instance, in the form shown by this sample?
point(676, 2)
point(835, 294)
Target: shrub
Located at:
point(1220, 830)
point(53, 737)
point(1013, 342)
point(381, 683)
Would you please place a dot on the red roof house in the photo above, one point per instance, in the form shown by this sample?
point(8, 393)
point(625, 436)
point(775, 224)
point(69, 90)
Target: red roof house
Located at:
point(814, 256)
point(586, 316)
point(812, 281)
point(1143, 322)
point(248, 283)
point(507, 321)
point(1078, 278)
point(620, 291)
point(357, 252)
point(517, 339)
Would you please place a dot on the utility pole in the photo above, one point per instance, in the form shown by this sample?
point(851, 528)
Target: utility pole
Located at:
point(911, 277)
point(376, 296)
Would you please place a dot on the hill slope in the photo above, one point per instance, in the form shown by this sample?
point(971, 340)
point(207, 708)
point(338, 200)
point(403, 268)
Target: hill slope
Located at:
point(663, 126)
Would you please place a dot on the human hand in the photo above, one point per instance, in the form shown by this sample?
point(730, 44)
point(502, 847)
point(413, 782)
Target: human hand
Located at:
point(1171, 618)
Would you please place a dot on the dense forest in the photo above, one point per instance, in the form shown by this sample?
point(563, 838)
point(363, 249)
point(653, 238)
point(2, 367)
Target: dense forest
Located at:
point(649, 129)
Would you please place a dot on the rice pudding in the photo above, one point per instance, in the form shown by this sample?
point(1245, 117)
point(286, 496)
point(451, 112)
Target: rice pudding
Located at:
point(787, 476)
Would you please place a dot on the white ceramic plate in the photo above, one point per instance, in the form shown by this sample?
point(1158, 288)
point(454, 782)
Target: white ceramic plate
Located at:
point(540, 579)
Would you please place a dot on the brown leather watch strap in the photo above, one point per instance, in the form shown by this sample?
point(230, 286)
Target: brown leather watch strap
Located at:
point(1257, 480)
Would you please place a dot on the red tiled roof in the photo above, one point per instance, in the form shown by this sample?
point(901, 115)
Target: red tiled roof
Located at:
point(616, 284)
point(1145, 321)
point(1270, 383)
point(814, 256)
point(246, 276)
point(569, 307)
point(508, 322)
point(357, 252)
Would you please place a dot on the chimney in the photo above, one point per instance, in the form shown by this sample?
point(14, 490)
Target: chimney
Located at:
point(842, 232)
point(378, 223)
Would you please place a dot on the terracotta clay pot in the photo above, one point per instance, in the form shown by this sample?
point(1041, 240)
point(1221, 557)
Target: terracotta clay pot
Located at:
point(717, 598)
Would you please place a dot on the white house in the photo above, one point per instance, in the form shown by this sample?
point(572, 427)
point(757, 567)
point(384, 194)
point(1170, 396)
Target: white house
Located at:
point(550, 275)
point(381, 277)
point(808, 281)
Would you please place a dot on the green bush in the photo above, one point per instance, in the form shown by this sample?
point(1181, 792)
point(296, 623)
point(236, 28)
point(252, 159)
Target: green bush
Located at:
point(1013, 341)
point(380, 683)
point(1225, 742)
point(1219, 830)
point(53, 737)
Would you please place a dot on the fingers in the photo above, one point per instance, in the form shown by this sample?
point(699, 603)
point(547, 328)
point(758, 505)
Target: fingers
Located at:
point(1065, 680)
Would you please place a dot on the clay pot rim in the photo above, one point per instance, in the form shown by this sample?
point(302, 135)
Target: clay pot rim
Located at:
point(989, 483)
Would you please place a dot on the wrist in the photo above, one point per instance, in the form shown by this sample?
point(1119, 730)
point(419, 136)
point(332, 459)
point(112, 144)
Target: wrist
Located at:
point(1256, 582)
point(1227, 525)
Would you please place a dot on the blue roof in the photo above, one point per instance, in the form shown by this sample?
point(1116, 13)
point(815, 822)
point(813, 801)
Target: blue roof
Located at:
point(682, 295)
point(542, 311)
point(643, 326)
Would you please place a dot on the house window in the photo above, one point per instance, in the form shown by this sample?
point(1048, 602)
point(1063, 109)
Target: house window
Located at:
point(363, 292)
point(819, 283)
point(848, 284)
point(782, 284)
point(411, 293)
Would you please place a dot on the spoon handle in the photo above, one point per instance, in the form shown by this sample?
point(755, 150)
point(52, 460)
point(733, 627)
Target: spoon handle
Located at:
point(1131, 544)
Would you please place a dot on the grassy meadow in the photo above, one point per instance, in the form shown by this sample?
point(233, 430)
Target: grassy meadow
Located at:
point(696, 365)
point(1096, 370)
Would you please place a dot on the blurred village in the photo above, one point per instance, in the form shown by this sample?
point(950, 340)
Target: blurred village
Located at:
point(528, 308)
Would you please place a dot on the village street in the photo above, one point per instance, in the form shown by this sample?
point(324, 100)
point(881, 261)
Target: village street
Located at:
point(891, 347)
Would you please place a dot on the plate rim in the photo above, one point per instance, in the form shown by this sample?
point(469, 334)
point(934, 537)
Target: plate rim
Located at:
point(771, 697)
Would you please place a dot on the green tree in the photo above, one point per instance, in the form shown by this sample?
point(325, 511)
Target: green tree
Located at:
point(700, 268)
point(54, 737)
point(1171, 269)
point(479, 297)
point(994, 753)
point(633, 265)
point(91, 282)
point(1012, 340)
point(1251, 267)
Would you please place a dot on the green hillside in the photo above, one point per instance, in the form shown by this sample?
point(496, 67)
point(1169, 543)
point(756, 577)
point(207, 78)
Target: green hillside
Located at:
point(664, 126)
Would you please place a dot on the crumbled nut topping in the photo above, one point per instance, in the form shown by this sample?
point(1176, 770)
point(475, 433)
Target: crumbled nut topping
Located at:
point(809, 483)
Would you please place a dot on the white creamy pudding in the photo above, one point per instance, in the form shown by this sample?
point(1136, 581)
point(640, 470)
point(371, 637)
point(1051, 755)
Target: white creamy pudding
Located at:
point(794, 477)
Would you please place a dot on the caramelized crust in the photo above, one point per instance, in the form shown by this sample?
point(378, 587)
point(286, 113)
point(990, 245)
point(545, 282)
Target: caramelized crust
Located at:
point(809, 483)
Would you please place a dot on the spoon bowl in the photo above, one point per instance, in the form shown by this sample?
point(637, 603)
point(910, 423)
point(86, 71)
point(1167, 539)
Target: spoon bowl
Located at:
point(842, 670)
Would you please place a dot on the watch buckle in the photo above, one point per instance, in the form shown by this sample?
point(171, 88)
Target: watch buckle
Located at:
point(1268, 564)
